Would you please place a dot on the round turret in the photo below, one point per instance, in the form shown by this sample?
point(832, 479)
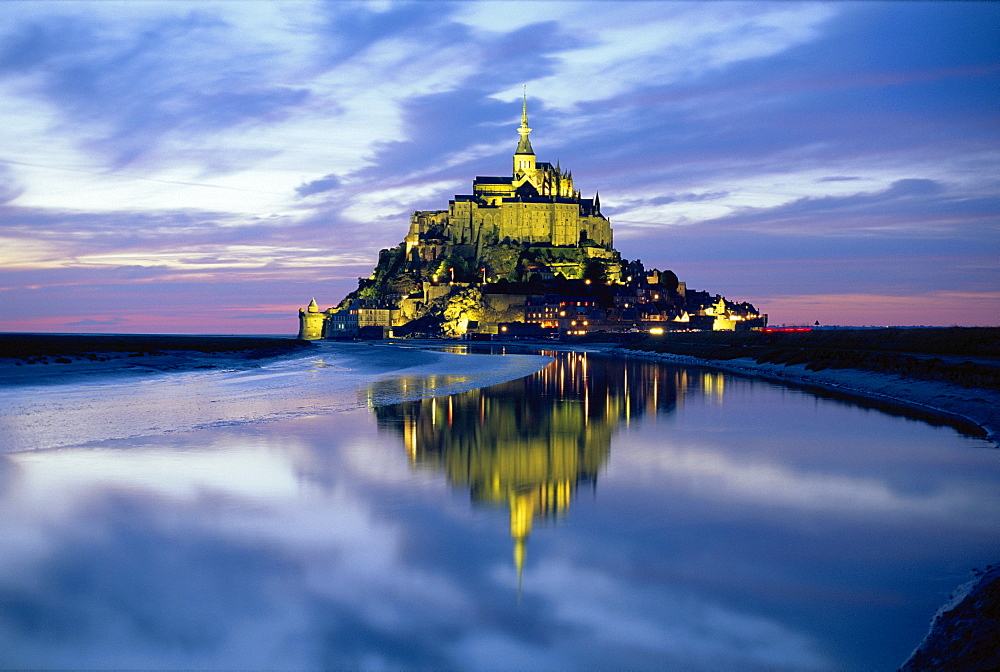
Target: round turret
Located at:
point(311, 322)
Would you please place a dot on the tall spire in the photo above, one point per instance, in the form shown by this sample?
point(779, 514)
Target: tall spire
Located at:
point(524, 145)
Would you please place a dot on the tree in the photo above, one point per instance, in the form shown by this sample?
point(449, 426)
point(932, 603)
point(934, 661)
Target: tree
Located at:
point(669, 281)
point(595, 271)
point(501, 261)
point(402, 285)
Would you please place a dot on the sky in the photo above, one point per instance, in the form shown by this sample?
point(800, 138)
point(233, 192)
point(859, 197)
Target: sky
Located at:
point(209, 167)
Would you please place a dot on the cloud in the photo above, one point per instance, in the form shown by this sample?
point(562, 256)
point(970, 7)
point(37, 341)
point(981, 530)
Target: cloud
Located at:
point(328, 183)
point(134, 91)
point(9, 189)
point(261, 316)
point(870, 308)
point(911, 204)
point(221, 138)
point(642, 45)
point(97, 323)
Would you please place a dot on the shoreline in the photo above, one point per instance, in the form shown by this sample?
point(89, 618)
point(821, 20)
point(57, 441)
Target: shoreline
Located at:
point(42, 359)
point(117, 396)
point(965, 632)
point(973, 411)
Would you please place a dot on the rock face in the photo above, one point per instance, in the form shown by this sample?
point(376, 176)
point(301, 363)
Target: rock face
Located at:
point(532, 222)
point(965, 634)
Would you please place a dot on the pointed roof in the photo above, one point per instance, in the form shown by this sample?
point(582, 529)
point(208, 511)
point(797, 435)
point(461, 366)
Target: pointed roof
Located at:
point(524, 145)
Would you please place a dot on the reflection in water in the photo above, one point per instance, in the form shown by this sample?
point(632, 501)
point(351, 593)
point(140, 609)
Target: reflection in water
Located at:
point(530, 443)
point(774, 531)
point(409, 387)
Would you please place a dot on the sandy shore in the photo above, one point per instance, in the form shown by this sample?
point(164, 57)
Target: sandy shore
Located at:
point(129, 388)
point(33, 359)
point(974, 411)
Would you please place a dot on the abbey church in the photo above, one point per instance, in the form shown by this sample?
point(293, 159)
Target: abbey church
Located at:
point(536, 204)
point(522, 254)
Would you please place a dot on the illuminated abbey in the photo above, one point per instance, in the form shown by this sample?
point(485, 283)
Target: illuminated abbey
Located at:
point(522, 254)
point(536, 205)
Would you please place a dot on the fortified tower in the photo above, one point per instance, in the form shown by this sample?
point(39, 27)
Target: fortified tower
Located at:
point(311, 322)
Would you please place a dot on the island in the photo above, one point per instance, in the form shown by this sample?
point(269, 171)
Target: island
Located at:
point(523, 255)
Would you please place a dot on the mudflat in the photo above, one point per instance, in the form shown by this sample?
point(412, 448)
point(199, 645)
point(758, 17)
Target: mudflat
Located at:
point(32, 359)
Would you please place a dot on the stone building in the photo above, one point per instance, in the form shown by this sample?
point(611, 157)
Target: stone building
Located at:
point(525, 248)
point(351, 320)
point(536, 204)
point(311, 322)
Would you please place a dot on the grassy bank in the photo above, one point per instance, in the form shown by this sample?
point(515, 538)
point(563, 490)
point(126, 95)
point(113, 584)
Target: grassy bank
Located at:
point(965, 356)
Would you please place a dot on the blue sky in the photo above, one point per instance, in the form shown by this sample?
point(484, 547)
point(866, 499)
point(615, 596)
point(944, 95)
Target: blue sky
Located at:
point(211, 166)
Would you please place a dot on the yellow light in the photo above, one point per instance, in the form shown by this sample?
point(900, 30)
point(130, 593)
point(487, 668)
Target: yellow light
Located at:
point(562, 313)
point(503, 328)
point(656, 330)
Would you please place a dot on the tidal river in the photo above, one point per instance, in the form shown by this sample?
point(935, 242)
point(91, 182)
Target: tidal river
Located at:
point(595, 513)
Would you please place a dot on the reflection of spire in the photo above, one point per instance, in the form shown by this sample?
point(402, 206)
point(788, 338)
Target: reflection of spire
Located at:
point(528, 444)
point(522, 514)
point(524, 145)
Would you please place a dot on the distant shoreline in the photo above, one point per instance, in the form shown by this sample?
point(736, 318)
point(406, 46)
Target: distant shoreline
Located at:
point(36, 359)
point(935, 374)
point(974, 411)
point(33, 359)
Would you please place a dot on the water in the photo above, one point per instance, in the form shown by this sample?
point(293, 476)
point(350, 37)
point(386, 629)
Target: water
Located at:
point(595, 514)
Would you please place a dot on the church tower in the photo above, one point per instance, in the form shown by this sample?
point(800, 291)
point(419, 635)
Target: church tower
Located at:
point(524, 155)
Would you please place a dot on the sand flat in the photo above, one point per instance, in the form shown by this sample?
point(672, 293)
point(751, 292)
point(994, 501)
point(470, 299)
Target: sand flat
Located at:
point(44, 406)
